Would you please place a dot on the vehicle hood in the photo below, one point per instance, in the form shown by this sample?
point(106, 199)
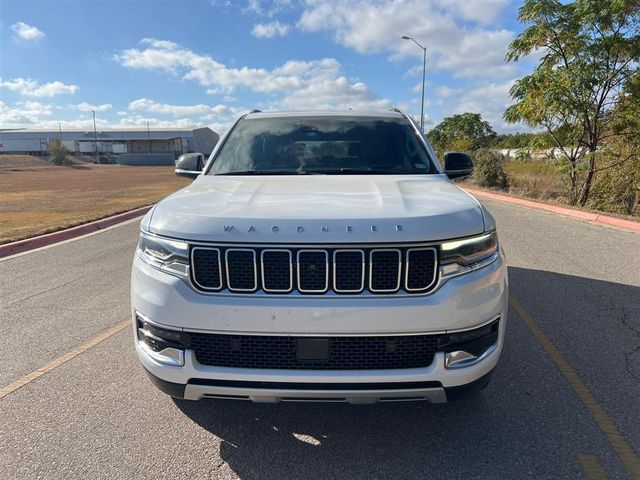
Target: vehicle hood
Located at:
point(318, 209)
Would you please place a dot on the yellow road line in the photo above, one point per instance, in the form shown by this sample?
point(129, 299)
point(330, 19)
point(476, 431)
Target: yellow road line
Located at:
point(617, 440)
point(30, 377)
point(591, 467)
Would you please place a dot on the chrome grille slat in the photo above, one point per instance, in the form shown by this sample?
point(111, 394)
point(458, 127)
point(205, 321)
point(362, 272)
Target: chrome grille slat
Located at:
point(277, 275)
point(301, 270)
point(241, 269)
point(348, 274)
point(420, 272)
point(208, 275)
point(384, 276)
point(313, 271)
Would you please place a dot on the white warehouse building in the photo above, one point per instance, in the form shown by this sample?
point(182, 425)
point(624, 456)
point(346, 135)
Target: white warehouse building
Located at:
point(165, 141)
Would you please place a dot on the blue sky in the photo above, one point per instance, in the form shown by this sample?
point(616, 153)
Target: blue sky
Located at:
point(203, 63)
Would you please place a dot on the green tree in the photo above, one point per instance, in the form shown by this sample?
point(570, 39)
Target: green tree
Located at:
point(617, 187)
point(590, 49)
point(465, 128)
point(57, 152)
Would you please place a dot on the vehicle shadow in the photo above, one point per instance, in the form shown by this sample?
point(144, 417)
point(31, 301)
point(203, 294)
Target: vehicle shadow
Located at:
point(528, 422)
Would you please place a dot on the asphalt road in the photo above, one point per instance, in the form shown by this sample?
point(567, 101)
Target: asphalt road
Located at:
point(97, 416)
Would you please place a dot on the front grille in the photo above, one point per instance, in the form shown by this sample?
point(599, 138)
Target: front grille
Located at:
point(241, 269)
point(385, 270)
point(349, 270)
point(206, 268)
point(420, 274)
point(315, 271)
point(345, 353)
point(276, 271)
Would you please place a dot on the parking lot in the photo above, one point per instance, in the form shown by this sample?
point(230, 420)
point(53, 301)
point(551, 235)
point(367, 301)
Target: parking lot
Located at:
point(563, 403)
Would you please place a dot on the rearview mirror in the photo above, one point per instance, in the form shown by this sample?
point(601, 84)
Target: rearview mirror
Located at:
point(457, 165)
point(190, 165)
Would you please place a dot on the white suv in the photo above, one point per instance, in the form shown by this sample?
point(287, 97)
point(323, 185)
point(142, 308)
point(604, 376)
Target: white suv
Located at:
point(320, 256)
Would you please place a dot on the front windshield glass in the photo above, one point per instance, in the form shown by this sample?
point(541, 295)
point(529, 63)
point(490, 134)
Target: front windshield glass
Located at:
point(322, 145)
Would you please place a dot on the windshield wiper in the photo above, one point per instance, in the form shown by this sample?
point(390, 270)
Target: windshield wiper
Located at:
point(265, 172)
point(353, 171)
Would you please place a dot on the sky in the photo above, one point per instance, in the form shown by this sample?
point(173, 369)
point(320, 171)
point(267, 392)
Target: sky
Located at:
point(195, 63)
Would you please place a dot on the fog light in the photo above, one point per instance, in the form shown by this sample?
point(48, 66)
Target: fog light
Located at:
point(466, 348)
point(458, 359)
point(163, 345)
point(166, 356)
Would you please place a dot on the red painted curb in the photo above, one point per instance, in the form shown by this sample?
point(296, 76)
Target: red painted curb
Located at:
point(55, 237)
point(568, 212)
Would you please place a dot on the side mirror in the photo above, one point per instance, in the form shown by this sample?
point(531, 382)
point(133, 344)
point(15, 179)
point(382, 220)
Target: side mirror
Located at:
point(190, 165)
point(457, 165)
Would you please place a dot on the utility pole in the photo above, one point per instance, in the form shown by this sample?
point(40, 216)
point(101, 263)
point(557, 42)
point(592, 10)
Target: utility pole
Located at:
point(424, 70)
point(60, 131)
point(95, 134)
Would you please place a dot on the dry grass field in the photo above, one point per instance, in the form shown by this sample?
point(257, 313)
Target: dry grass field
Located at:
point(536, 179)
point(37, 197)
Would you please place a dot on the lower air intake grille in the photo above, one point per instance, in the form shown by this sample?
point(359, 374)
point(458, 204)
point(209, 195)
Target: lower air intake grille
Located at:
point(345, 353)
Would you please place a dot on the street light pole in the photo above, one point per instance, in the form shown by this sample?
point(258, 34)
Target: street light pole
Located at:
point(424, 70)
point(95, 134)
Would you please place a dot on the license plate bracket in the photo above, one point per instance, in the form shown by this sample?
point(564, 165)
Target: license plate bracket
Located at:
point(312, 349)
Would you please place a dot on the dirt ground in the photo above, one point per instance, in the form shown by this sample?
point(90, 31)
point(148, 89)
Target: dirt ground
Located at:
point(37, 197)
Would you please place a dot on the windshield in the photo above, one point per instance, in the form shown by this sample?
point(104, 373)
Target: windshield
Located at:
point(322, 145)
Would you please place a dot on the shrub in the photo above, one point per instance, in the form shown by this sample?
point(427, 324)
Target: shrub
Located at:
point(488, 169)
point(57, 152)
point(616, 189)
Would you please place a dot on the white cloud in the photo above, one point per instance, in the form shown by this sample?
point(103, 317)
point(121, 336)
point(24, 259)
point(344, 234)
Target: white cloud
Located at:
point(32, 114)
point(134, 121)
point(23, 114)
point(300, 84)
point(332, 93)
point(452, 32)
point(31, 88)
point(270, 30)
point(266, 8)
point(88, 107)
point(490, 99)
point(26, 31)
point(201, 110)
point(445, 91)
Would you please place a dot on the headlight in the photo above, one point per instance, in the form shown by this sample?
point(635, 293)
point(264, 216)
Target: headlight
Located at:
point(459, 256)
point(168, 255)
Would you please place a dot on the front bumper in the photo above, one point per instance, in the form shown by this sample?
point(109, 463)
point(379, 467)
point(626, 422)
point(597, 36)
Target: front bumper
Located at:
point(462, 303)
point(271, 392)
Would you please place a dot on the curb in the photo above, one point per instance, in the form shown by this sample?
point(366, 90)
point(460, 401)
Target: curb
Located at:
point(68, 233)
point(567, 212)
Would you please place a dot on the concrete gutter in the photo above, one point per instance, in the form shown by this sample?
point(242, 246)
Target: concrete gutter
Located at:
point(567, 212)
point(66, 234)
